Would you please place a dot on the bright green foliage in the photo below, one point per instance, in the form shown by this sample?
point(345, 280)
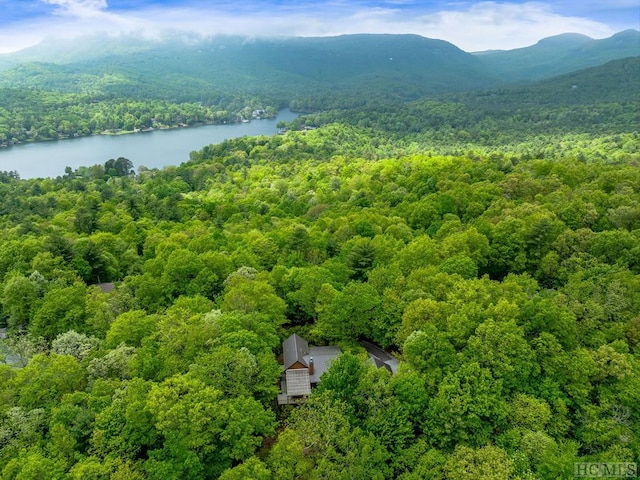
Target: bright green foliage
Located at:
point(530, 412)
point(251, 468)
point(469, 407)
point(130, 328)
point(43, 382)
point(501, 348)
point(301, 287)
point(62, 309)
point(124, 427)
point(352, 313)
point(342, 379)
point(180, 337)
point(236, 371)
point(320, 443)
point(112, 468)
point(430, 353)
point(488, 241)
point(201, 428)
point(18, 297)
point(252, 331)
point(246, 295)
point(31, 464)
point(486, 463)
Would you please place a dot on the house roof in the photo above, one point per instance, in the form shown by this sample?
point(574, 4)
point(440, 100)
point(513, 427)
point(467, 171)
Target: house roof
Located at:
point(380, 358)
point(294, 349)
point(377, 362)
point(298, 382)
point(298, 376)
point(322, 357)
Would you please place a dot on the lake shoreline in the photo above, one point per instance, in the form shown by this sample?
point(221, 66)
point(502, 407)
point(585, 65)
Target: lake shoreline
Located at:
point(132, 132)
point(153, 150)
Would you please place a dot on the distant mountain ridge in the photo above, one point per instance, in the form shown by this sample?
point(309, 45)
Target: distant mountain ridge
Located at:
point(408, 66)
point(560, 54)
point(303, 70)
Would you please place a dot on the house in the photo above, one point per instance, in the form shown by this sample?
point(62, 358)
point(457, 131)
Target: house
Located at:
point(304, 365)
point(302, 368)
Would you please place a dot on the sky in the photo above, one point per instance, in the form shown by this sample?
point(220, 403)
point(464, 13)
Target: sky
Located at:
point(470, 25)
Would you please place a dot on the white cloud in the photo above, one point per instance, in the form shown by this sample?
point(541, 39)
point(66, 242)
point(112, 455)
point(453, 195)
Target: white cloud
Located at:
point(13, 39)
point(491, 25)
point(486, 25)
point(72, 18)
point(472, 27)
point(79, 8)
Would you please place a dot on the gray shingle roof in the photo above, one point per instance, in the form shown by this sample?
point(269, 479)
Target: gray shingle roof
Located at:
point(294, 349)
point(322, 357)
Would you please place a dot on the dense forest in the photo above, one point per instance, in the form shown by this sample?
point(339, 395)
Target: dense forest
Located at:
point(490, 240)
point(106, 85)
point(39, 115)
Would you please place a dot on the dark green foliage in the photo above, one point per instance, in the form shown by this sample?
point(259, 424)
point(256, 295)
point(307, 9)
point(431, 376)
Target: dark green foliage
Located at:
point(118, 168)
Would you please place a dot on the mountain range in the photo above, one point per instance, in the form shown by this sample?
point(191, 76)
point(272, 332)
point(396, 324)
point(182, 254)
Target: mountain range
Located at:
point(560, 54)
point(403, 67)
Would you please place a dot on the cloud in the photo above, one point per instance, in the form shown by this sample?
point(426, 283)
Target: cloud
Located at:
point(468, 25)
point(472, 27)
point(491, 25)
point(79, 8)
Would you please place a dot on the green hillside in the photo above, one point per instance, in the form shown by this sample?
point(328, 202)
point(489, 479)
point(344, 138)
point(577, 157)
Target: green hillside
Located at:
point(602, 100)
point(560, 54)
point(192, 69)
point(408, 65)
point(599, 100)
point(130, 81)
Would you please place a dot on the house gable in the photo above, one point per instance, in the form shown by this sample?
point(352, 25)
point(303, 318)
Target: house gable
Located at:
point(294, 349)
point(297, 366)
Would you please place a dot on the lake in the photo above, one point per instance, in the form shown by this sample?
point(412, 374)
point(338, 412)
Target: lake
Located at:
point(156, 149)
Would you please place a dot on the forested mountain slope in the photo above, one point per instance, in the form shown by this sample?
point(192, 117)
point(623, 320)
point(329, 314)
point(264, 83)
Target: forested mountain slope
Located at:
point(602, 99)
point(280, 68)
point(560, 54)
point(598, 100)
point(408, 66)
point(133, 81)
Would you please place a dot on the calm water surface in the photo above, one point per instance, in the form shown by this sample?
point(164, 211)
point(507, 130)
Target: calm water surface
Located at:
point(155, 149)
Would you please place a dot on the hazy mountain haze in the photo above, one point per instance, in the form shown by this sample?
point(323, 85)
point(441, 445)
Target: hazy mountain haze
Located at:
point(472, 26)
